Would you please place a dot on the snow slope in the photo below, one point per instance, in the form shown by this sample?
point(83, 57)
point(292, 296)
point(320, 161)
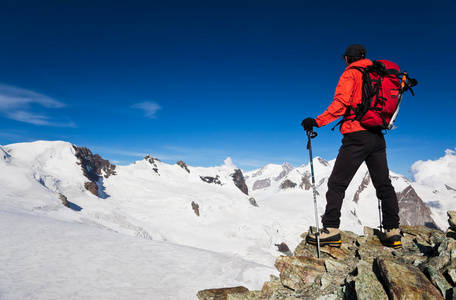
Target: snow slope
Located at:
point(45, 258)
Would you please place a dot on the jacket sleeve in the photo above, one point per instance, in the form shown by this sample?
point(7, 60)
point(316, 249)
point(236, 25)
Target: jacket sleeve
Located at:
point(342, 99)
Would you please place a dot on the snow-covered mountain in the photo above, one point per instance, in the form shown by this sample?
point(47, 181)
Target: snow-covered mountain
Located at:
point(68, 212)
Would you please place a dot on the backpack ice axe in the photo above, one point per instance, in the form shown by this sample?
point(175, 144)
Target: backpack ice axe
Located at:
point(406, 84)
point(310, 135)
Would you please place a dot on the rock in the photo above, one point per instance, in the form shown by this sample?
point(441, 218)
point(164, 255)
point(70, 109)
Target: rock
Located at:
point(366, 284)
point(282, 247)
point(448, 248)
point(451, 273)
point(298, 271)
point(221, 294)
point(64, 200)
point(251, 295)
point(452, 220)
point(438, 280)
point(404, 281)
point(195, 208)
point(274, 289)
point(253, 202)
point(91, 187)
point(451, 233)
point(336, 272)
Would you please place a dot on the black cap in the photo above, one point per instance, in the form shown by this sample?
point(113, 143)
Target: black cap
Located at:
point(355, 50)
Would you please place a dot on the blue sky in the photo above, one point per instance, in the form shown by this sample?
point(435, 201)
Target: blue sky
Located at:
point(200, 81)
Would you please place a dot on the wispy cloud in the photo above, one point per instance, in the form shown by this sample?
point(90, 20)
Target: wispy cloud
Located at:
point(149, 108)
point(27, 106)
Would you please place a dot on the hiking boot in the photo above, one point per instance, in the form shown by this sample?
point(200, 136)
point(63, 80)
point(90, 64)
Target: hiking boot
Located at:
point(328, 237)
point(392, 238)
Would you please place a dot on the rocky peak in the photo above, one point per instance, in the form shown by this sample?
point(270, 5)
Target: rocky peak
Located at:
point(425, 268)
point(413, 210)
point(286, 169)
point(322, 161)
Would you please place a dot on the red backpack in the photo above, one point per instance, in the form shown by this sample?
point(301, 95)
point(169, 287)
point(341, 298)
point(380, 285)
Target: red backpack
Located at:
point(383, 86)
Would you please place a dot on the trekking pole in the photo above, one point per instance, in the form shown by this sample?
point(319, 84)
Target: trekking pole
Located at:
point(310, 135)
point(380, 214)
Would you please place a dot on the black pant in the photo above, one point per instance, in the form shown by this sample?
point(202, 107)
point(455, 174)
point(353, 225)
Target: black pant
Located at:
point(356, 148)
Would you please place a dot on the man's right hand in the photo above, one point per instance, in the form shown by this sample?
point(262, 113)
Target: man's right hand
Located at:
point(309, 124)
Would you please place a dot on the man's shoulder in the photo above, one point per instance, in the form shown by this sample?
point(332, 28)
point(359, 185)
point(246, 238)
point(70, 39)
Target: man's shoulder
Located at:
point(362, 63)
point(353, 70)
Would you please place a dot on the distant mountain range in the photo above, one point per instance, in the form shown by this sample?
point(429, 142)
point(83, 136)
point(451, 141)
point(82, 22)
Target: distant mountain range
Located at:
point(221, 209)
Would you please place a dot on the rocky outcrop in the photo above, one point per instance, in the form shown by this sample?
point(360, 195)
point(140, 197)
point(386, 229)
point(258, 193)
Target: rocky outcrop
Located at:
point(153, 161)
point(5, 154)
point(449, 188)
point(305, 182)
point(425, 268)
point(93, 167)
point(183, 165)
point(364, 184)
point(287, 184)
point(211, 179)
point(261, 184)
point(64, 200)
point(239, 181)
point(91, 187)
point(253, 202)
point(195, 208)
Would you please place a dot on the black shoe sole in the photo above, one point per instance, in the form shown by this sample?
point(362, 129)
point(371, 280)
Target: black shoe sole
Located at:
point(394, 245)
point(335, 241)
point(393, 242)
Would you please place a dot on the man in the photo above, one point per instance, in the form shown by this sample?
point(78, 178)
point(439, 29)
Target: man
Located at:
point(358, 145)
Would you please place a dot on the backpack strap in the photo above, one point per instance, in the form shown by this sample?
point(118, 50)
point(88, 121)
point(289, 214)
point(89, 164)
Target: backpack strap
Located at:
point(350, 110)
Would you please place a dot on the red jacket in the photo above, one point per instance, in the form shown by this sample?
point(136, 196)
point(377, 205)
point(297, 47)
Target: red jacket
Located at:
point(348, 93)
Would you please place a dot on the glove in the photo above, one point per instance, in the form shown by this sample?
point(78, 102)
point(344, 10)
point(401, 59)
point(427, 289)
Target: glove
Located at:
point(308, 124)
